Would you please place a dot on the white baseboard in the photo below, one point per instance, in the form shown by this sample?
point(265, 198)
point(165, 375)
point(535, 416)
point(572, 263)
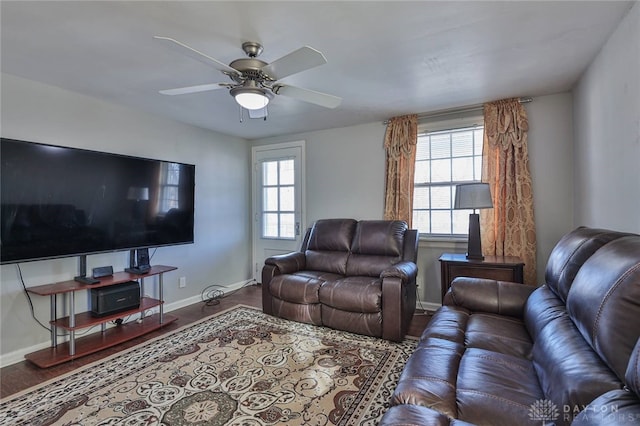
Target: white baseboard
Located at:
point(428, 306)
point(18, 355)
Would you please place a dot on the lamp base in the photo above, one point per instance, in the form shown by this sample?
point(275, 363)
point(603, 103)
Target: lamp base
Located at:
point(474, 249)
point(472, 257)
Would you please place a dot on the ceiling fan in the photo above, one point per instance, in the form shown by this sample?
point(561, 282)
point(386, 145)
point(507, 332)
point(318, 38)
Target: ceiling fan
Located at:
point(255, 82)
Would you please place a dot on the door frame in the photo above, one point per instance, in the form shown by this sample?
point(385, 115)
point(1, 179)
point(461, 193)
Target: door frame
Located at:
point(255, 210)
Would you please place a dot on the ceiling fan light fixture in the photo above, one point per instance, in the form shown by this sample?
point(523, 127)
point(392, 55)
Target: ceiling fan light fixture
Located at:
point(251, 98)
point(251, 101)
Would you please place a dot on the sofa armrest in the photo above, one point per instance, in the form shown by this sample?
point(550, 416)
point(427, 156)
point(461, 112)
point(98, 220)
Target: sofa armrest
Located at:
point(486, 295)
point(404, 270)
point(278, 265)
point(287, 263)
point(398, 299)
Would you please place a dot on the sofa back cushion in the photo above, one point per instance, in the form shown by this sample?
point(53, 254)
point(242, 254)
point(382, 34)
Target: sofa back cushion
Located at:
point(379, 237)
point(570, 253)
point(377, 244)
point(329, 244)
point(571, 374)
point(632, 377)
point(604, 301)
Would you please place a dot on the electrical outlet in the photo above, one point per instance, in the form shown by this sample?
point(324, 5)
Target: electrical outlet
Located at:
point(182, 282)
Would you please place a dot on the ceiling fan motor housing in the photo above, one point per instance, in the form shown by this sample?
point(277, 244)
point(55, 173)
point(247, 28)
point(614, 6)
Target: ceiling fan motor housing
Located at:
point(252, 48)
point(250, 68)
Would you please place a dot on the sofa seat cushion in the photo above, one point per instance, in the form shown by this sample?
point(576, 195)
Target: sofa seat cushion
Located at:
point(429, 376)
point(301, 287)
point(498, 333)
point(453, 370)
point(416, 415)
point(489, 395)
point(353, 294)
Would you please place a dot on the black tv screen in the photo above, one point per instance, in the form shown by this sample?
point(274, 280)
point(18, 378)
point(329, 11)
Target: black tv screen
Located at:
point(60, 202)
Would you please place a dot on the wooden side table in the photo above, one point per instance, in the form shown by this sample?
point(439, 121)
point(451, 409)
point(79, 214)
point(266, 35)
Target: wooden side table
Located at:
point(502, 268)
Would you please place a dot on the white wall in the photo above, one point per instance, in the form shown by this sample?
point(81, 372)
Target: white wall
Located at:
point(221, 252)
point(345, 178)
point(343, 171)
point(551, 164)
point(607, 133)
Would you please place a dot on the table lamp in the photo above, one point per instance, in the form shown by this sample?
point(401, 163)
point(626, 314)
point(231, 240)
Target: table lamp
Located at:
point(473, 196)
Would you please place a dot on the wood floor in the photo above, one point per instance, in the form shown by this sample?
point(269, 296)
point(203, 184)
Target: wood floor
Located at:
point(23, 375)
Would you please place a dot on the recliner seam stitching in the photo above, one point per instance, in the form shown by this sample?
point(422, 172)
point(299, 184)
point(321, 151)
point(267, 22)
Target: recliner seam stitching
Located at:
point(517, 404)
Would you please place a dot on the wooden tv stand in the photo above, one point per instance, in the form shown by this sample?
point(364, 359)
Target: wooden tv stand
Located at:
point(75, 348)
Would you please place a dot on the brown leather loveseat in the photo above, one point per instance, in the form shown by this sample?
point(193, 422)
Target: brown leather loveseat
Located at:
point(500, 353)
point(356, 276)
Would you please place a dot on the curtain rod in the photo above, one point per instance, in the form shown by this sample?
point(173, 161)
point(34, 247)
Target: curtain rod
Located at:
point(471, 108)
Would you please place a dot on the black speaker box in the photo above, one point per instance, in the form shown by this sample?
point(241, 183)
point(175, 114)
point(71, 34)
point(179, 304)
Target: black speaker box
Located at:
point(116, 298)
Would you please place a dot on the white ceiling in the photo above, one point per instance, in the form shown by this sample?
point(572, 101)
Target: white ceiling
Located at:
point(384, 58)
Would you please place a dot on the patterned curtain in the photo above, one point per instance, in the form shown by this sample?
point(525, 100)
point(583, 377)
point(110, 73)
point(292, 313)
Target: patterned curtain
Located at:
point(400, 146)
point(508, 228)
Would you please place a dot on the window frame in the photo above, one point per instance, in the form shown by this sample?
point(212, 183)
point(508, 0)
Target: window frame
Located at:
point(471, 119)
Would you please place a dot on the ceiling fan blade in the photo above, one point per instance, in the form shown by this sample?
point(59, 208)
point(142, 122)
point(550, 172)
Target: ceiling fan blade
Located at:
point(195, 54)
point(193, 89)
point(306, 95)
point(258, 113)
point(299, 60)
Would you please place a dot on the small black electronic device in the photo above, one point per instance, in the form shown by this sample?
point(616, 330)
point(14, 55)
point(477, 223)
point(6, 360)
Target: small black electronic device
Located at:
point(86, 280)
point(102, 271)
point(116, 298)
point(139, 261)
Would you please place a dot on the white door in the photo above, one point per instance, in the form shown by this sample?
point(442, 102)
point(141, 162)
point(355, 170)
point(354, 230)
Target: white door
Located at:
point(278, 173)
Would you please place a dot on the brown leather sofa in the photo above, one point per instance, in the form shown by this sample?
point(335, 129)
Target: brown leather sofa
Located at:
point(619, 406)
point(357, 276)
point(500, 353)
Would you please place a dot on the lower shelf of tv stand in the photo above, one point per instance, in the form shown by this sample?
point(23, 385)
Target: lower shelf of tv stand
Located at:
point(98, 341)
point(86, 319)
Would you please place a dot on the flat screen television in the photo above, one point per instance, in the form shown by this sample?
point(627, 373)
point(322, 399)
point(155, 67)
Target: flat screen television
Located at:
point(61, 202)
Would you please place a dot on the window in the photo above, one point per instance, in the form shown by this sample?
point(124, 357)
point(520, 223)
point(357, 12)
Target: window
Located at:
point(278, 199)
point(445, 158)
point(170, 178)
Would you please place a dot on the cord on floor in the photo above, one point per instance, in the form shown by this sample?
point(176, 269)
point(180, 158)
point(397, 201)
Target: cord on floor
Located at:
point(212, 294)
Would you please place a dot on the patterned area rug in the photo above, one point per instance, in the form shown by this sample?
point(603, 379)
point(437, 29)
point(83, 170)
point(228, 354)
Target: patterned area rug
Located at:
point(240, 367)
